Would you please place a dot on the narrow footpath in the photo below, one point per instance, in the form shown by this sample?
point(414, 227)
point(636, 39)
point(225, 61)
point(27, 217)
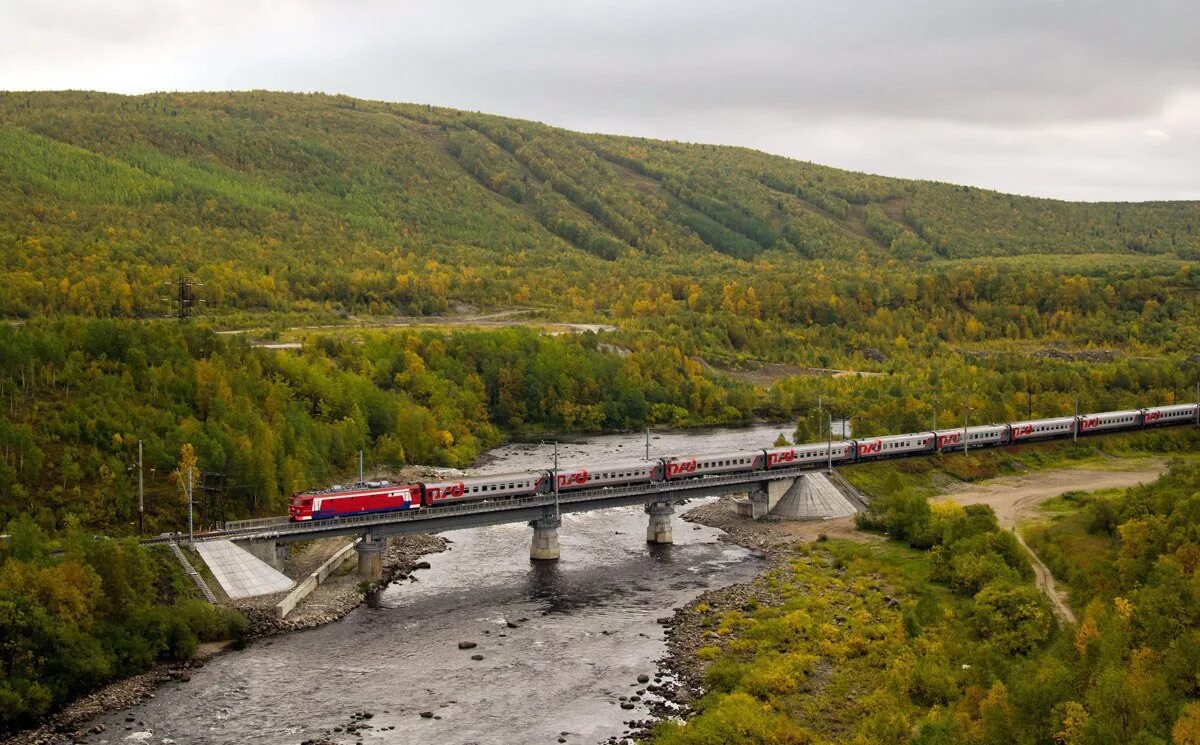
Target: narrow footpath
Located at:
point(1015, 498)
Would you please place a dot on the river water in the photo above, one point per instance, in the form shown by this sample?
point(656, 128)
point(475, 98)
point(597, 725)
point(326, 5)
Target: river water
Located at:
point(585, 629)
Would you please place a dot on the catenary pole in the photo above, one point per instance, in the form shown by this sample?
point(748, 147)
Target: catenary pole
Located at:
point(966, 418)
point(556, 515)
point(191, 530)
point(141, 495)
point(829, 450)
point(1075, 424)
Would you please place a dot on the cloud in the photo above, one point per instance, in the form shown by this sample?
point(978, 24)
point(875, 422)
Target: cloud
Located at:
point(1054, 98)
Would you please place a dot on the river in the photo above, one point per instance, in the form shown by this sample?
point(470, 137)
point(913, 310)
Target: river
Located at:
point(585, 628)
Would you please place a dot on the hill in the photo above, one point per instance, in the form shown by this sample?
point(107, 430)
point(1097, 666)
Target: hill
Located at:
point(286, 201)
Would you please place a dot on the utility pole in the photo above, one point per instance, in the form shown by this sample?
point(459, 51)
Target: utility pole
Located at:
point(141, 495)
point(966, 418)
point(821, 419)
point(648, 442)
point(935, 412)
point(829, 451)
point(1075, 426)
point(191, 533)
point(1198, 403)
point(556, 515)
point(360, 470)
point(185, 296)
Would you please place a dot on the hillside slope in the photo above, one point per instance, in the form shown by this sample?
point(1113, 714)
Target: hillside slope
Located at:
point(291, 200)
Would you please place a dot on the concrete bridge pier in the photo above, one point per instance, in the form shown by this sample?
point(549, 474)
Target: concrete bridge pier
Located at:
point(659, 528)
point(370, 557)
point(545, 538)
point(267, 551)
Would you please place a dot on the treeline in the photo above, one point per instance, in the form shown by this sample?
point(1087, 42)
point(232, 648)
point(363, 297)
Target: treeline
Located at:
point(99, 610)
point(947, 639)
point(77, 395)
point(345, 205)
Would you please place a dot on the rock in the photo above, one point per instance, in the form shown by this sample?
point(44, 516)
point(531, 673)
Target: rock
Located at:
point(626, 705)
point(421, 565)
point(635, 698)
point(427, 715)
point(664, 620)
point(467, 645)
point(512, 624)
point(562, 739)
point(477, 657)
point(643, 678)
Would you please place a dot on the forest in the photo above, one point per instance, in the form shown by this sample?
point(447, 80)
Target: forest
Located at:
point(940, 636)
point(725, 286)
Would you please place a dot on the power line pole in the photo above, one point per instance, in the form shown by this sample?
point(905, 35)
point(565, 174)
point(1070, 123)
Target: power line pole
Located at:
point(185, 296)
point(829, 451)
point(191, 524)
point(648, 441)
point(360, 467)
point(966, 419)
point(1075, 426)
point(556, 515)
point(141, 495)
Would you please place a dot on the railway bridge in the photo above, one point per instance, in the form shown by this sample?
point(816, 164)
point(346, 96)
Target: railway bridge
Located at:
point(266, 538)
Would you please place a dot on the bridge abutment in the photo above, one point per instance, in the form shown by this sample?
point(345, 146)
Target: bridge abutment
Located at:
point(545, 538)
point(370, 557)
point(659, 528)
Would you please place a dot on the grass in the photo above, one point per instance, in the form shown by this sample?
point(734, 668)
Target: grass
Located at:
point(1076, 557)
point(830, 630)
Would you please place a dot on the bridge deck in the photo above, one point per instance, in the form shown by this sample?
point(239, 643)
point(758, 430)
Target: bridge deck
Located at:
point(477, 514)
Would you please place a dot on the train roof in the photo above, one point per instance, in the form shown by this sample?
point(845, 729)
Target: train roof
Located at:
point(344, 489)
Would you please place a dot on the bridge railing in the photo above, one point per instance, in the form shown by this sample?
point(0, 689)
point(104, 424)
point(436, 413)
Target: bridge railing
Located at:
point(547, 501)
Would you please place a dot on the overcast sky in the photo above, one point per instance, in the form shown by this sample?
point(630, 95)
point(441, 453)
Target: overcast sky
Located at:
point(1081, 100)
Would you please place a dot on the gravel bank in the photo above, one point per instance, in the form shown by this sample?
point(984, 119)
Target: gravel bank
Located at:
point(336, 597)
point(681, 669)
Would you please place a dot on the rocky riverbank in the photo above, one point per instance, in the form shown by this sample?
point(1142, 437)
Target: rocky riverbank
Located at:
point(343, 592)
point(691, 627)
point(331, 601)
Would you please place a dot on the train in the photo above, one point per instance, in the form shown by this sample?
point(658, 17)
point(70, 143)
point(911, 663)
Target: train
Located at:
point(384, 496)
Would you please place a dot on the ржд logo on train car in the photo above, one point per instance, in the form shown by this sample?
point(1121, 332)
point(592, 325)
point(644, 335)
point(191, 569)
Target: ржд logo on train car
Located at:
point(1152, 416)
point(451, 490)
point(869, 448)
point(1091, 422)
point(954, 438)
point(679, 467)
point(774, 459)
point(574, 478)
point(1023, 431)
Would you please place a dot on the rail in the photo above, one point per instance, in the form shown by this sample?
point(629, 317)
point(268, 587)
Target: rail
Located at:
point(316, 527)
point(277, 527)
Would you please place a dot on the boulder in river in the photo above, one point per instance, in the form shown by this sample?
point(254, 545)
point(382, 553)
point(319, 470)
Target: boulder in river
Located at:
point(467, 645)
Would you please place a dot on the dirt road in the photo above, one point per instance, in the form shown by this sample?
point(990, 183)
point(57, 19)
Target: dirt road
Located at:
point(1016, 497)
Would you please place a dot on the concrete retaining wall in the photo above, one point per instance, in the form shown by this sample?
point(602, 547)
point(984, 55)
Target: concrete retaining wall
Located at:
point(312, 581)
